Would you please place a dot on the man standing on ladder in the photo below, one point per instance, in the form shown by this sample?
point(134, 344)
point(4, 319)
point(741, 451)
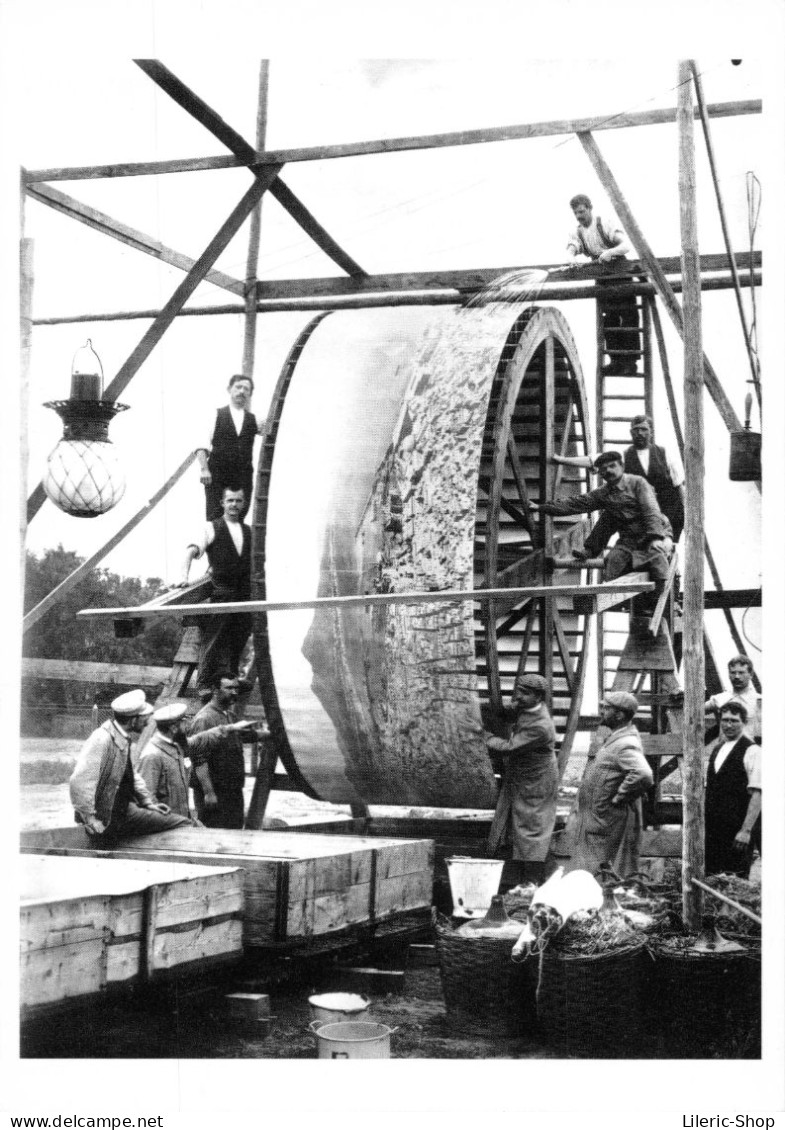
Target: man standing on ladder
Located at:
point(602, 241)
point(226, 460)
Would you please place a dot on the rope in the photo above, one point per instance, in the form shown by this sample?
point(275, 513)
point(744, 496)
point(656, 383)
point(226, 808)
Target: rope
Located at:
point(754, 194)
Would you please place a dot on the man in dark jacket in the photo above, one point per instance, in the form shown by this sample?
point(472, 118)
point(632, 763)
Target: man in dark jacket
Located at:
point(629, 502)
point(227, 543)
point(733, 796)
point(526, 809)
point(226, 460)
point(651, 462)
point(218, 773)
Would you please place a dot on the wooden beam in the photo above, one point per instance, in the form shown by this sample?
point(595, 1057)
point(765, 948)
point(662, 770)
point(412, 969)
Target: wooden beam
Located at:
point(602, 597)
point(630, 584)
point(181, 295)
point(382, 296)
point(254, 237)
point(694, 674)
point(100, 222)
point(491, 134)
point(206, 116)
point(26, 281)
point(125, 674)
point(65, 586)
point(733, 598)
point(656, 273)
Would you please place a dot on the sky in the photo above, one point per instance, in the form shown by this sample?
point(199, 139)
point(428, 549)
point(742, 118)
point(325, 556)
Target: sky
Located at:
point(73, 96)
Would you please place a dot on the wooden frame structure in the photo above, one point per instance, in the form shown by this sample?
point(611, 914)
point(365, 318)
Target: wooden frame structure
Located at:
point(356, 287)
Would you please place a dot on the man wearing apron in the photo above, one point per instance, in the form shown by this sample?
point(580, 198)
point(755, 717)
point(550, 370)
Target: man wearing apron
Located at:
point(526, 809)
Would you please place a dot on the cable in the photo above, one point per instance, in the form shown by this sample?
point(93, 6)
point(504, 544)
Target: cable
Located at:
point(754, 196)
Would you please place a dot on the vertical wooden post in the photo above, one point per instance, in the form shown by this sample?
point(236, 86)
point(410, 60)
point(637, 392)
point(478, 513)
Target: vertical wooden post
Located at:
point(249, 337)
point(694, 665)
point(547, 472)
point(26, 342)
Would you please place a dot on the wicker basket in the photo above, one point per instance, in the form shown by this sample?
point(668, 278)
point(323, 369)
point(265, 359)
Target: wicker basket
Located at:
point(485, 992)
point(708, 1003)
point(590, 1005)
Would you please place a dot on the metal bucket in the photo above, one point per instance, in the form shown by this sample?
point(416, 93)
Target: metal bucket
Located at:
point(353, 1039)
point(473, 883)
point(332, 1008)
point(744, 457)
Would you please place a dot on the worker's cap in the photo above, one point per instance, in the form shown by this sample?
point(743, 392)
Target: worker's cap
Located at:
point(531, 682)
point(172, 712)
point(622, 700)
point(130, 704)
point(608, 457)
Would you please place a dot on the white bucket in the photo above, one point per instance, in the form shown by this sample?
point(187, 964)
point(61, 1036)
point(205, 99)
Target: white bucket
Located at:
point(353, 1039)
point(473, 883)
point(332, 1008)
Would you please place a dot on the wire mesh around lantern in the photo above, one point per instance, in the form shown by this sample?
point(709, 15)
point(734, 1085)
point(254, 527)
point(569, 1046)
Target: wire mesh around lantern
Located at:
point(83, 475)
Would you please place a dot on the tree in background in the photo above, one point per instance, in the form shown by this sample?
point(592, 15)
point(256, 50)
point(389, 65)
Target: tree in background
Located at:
point(60, 634)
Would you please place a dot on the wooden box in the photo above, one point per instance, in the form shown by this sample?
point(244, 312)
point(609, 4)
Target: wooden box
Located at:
point(297, 887)
point(87, 925)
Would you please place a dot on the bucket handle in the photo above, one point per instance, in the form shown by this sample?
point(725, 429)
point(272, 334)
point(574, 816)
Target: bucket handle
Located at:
point(318, 1024)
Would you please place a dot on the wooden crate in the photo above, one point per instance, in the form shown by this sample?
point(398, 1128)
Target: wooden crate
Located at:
point(297, 887)
point(87, 925)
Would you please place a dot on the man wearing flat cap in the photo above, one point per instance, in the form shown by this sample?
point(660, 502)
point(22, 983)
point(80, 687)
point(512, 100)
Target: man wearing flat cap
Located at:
point(651, 462)
point(162, 765)
point(644, 541)
point(526, 809)
point(608, 819)
point(109, 796)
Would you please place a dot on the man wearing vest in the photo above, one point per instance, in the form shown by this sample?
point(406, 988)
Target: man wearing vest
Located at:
point(733, 796)
point(601, 242)
point(227, 543)
point(226, 460)
point(652, 463)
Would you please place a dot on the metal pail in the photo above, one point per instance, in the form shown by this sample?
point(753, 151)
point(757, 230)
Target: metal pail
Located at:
point(744, 457)
point(332, 1008)
point(353, 1039)
point(473, 882)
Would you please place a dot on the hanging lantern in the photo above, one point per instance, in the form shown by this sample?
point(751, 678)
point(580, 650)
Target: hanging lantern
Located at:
point(83, 475)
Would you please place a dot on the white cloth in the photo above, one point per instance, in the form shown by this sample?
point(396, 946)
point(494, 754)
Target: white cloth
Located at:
point(208, 425)
point(207, 537)
point(750, 698)
point(594, 241)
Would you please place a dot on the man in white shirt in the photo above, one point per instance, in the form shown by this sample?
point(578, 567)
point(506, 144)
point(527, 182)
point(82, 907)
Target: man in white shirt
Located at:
point(740, 671)
point(226, 459)
point(227, 543)
point(603, 241)
point(733, 796)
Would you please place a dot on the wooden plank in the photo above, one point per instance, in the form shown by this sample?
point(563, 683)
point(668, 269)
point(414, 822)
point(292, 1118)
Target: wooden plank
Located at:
point(65, 586)
point(368, 297)
point(167, 315)
point(140, 241)
point(609, 594)
point(254, 236)
point(612, 591)
point(487, 135)
point(642, 653)
point(206, 116)
point(662, 745)
point(656, 617)
point(125, 674)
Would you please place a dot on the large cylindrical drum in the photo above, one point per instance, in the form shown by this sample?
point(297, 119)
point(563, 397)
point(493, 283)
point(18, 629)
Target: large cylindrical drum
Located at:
point(403, 454)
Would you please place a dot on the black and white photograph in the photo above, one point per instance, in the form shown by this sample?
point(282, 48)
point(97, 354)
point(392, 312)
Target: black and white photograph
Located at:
point(390, 650)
